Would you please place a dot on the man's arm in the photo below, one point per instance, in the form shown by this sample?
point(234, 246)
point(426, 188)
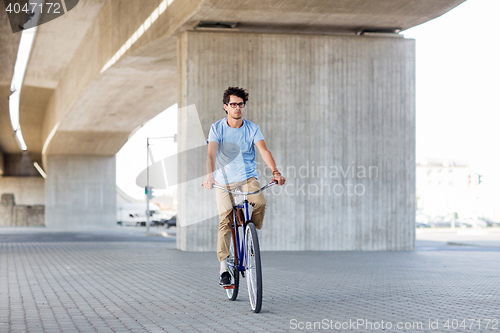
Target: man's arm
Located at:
point(212, 153)
point(269, 160)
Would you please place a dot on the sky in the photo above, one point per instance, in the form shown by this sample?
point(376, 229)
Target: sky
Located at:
point(457, 84)
point(131, 159)
point(457, 108)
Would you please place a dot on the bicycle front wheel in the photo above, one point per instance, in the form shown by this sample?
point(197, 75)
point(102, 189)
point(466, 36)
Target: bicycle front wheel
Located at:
point(253, 267)
point(232, 268)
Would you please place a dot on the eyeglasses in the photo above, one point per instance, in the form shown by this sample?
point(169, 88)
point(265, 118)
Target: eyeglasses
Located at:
point(233, 105)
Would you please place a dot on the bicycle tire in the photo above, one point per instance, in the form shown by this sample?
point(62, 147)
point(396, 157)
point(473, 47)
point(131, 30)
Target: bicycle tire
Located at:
point(232, 268)
point(253, 267)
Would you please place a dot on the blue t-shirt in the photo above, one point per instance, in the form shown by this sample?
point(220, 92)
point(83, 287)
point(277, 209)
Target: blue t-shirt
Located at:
point(235, 160)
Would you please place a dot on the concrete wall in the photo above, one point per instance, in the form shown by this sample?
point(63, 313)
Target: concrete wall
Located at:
point(331, 102)
point(19, 215)
point(26, 190)
point(80, 192)
point(6, 209)
point(23, 201)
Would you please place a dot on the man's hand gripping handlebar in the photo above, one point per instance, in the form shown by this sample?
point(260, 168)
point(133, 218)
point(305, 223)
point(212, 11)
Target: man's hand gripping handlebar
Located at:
point(216, 185)
point(208, 184)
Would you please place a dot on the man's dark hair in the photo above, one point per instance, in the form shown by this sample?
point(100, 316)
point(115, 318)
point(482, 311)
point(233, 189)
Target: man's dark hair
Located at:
point(240, 92)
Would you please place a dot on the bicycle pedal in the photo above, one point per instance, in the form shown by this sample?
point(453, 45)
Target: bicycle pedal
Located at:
point(229, 287)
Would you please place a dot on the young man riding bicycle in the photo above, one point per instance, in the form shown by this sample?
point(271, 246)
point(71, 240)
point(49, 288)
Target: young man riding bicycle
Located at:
point(231, 144)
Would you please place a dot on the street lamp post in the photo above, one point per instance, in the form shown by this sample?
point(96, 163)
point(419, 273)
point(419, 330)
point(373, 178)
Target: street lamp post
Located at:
point(149, 189)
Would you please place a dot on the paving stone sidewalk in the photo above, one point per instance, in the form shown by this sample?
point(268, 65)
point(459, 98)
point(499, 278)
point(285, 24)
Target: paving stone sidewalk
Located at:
point(91, 282)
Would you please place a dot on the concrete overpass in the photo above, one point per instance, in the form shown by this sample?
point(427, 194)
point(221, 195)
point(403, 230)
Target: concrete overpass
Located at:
point(323, 93)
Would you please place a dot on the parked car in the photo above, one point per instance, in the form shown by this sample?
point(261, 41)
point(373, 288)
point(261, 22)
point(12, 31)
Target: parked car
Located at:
point(490, 222)
point(172, 222)
point(439, 222)
point(464, 223)
point(481, 223)
point(132, 218)
point(135, 214)
point(422, 221)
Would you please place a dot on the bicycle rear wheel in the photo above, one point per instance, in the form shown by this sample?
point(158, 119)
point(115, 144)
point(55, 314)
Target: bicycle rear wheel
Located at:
point(253, 267)
point(232, 268)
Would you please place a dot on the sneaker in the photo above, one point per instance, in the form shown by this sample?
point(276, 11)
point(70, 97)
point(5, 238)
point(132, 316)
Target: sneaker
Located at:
point(225, 279)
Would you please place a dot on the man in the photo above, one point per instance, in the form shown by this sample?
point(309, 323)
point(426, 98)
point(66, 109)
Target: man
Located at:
point(231, 144)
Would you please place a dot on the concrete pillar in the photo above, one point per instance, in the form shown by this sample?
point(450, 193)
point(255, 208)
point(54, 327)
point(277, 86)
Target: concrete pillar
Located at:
point(7, 205)
point(338, 114)
point(80, 192)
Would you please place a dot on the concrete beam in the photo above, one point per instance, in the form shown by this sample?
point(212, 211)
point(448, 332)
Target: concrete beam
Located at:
point(319, 16)
point(89, 107)
point(338, 114)
point(33, 104)
point(57, 42)
point(9, 44)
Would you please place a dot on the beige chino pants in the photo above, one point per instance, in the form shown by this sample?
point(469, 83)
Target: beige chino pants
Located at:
point(225, 203)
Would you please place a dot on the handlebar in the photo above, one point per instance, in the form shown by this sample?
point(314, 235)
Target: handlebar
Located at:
point(238, 192)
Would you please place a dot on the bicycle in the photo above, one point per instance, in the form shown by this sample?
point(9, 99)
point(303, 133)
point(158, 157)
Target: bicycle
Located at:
point(244, 252)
